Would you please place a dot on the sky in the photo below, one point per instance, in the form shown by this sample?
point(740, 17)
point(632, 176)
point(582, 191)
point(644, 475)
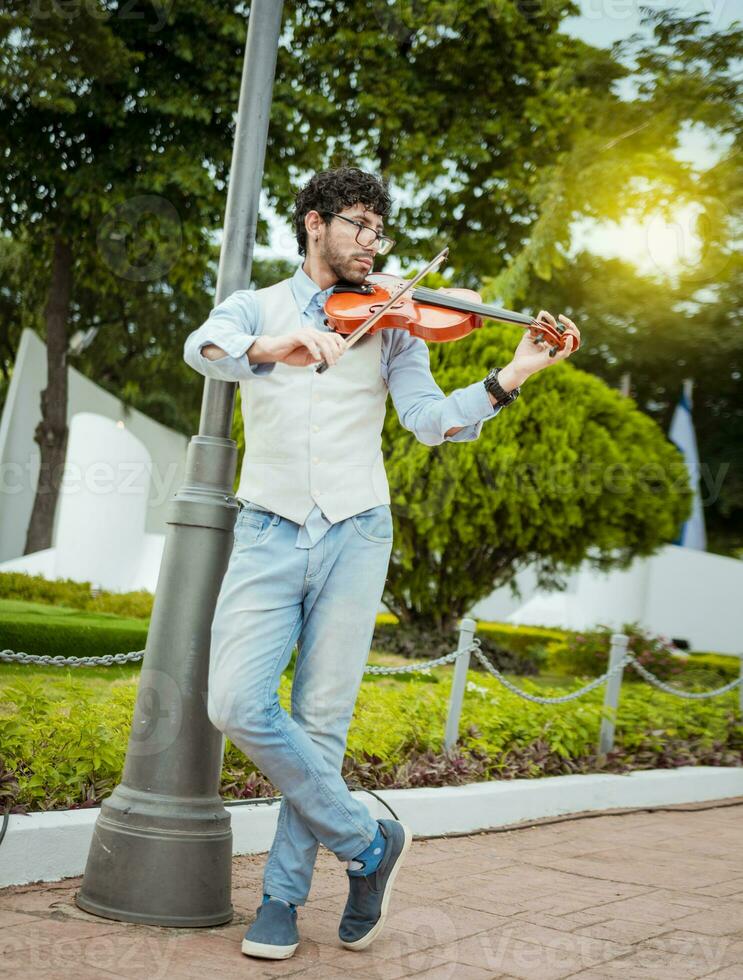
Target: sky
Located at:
point(655, 246)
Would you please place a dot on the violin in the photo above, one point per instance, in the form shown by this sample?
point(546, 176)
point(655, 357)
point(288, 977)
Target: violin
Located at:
point(434, 315)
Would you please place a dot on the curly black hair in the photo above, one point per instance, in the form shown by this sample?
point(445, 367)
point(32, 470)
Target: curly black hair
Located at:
point(334, 190)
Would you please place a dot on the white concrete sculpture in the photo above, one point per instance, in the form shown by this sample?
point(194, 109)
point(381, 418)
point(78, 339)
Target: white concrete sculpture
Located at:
point(102, 503)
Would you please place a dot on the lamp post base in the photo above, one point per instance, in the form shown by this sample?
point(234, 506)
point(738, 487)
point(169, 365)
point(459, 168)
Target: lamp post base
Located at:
point(160, 860)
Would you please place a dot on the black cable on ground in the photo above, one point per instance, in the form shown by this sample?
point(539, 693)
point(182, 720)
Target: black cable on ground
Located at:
point(276, 799)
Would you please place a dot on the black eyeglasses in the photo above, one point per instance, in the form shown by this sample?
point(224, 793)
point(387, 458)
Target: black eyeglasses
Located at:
point(366, 236)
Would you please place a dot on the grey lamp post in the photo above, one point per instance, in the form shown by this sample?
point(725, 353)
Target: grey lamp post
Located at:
point(162, 845)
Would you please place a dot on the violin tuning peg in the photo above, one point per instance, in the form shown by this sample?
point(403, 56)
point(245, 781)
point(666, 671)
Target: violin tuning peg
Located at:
point(539, 338)
point(554, 350)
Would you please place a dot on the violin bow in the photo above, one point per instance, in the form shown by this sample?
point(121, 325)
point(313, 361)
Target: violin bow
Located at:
point(394, 297)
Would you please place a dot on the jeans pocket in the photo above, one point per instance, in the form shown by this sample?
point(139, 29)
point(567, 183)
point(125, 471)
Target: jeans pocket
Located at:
point(252, 525)
point(375, 524)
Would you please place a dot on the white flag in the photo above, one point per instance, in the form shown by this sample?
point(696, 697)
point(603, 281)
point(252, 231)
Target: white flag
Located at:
point(681, 433)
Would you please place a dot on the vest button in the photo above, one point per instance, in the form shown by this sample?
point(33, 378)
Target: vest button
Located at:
point(315, 459)
point(315, 428)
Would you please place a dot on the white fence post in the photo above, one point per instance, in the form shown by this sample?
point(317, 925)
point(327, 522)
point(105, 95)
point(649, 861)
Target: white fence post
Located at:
point(467, 629)
point(611, 692)
point(740, 687)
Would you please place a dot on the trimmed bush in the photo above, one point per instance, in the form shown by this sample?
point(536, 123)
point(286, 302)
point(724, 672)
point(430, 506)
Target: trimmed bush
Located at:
point(414, 643)
point(67, 633)
point(713, 668)
point(587, 655)
point(74, 595)
point(69, 750)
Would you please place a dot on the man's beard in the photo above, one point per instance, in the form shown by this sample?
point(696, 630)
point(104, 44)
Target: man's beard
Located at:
point(344, 267)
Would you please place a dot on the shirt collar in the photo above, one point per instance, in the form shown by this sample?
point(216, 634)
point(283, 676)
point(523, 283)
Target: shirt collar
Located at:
point(306, 290)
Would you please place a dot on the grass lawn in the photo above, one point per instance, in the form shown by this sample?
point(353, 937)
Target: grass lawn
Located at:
point(62, 619)
point(55, 620)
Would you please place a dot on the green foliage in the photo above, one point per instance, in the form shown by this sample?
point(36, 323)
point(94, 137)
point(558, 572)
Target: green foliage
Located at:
point(714, 668)
point(60, 632)
point(68, 749)
point(74, 595)
point(413, 642)
point(571, 471)
point(661, 325)
point(461, 104)
point(65, 752)
point(586, 654)
point(520, 639)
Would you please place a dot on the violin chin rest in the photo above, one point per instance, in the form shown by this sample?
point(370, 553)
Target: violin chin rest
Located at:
point(361, 289)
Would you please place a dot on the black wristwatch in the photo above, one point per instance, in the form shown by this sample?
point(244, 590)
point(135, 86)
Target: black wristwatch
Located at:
point(501, 397)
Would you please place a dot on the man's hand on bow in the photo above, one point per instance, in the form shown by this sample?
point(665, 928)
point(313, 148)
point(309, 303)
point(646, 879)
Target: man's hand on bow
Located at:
point(299, 348)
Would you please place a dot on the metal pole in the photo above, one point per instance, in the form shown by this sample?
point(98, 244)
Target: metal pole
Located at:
point(611, 693)
point(740, 687)
point(162, 846)
point(467, 629)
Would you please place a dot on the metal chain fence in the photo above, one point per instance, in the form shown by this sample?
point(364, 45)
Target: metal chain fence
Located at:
point(9, 657)
point(468, 645)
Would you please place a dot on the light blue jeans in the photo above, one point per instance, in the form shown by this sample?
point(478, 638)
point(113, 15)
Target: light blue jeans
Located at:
point(325, 600)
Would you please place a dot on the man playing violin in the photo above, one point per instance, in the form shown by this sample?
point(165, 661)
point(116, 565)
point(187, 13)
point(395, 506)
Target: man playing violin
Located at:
point(313, 537)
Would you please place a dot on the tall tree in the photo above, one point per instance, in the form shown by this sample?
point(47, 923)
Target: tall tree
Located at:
point(120, 131)
point(461, 105)
point(122, 126)
point(571, 472)
point(684, 321)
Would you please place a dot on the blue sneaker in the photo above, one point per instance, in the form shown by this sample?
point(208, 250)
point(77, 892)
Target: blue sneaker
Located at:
point(369, 895)
point(274, 934)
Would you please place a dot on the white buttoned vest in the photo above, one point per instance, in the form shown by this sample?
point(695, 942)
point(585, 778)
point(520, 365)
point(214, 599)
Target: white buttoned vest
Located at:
point(313, 438)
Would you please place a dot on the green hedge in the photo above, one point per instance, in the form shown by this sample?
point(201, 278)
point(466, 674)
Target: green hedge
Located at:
point(60, 632)
point(586, 654)
point(413, 643)
point(520, 639)
point(717, 667)
point(69, 750)
point(74, 595)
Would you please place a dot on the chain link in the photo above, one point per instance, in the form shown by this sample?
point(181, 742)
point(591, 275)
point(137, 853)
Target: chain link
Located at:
point(426, 665)
point(670, 689)
point(538, 699)
point(8, 656)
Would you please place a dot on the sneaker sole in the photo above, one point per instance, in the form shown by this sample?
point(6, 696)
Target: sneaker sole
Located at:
point(266, 951)
point(377, 927)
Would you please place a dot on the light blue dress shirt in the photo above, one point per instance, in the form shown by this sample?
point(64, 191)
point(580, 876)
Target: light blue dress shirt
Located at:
point(422, 407)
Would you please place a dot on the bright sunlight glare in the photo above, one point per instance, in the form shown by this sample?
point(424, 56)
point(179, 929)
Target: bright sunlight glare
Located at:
point(656, 244)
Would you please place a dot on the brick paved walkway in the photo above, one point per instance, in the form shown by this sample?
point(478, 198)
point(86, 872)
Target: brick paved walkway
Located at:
point(646, 895)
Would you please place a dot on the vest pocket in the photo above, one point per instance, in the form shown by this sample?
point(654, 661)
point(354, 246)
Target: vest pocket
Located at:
point(375, 524)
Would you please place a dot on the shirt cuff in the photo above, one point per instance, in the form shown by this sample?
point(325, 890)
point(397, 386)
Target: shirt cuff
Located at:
point(237, 353)
point(467, 409)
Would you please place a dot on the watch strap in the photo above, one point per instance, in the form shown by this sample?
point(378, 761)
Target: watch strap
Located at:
point(502, 397)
